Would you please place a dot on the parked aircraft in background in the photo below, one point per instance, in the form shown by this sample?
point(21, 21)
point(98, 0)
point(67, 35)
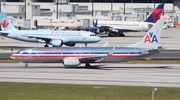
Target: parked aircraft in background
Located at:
point(74, 56)
point(116, 28)
point(55, 38)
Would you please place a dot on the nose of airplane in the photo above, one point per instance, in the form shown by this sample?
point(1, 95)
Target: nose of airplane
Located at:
point(12, 56)
point(98, 38)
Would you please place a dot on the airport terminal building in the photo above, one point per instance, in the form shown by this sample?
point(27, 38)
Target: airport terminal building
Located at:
point(82, 12)
point(104, 1)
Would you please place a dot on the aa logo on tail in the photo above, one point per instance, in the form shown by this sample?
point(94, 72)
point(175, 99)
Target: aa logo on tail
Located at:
point(150, 38)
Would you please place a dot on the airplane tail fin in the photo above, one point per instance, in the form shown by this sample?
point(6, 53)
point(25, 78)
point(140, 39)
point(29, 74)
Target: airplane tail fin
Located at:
point(6, 24)
point(156, 14)
point(152, 37)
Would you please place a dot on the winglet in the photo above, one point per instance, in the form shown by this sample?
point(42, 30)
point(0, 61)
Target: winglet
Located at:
point(152, 37)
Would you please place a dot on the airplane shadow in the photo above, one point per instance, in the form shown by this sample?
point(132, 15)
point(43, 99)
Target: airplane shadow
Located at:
point(103, 67)
point(96, 67)
point(149, 67)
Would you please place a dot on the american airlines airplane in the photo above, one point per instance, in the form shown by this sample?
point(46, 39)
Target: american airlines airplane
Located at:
point(74, 56)
point(116, 28)
point(55, 38)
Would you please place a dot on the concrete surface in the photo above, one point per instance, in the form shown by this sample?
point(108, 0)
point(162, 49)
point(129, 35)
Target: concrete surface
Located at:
point(101, 74)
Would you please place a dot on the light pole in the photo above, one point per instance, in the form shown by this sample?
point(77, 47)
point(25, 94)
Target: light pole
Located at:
point(154, 4)
point(92, 8)
point(0, 5)
point(124, 7)
point(24, 9)
point(57, 11)
point(111, 5)
point(155, 89)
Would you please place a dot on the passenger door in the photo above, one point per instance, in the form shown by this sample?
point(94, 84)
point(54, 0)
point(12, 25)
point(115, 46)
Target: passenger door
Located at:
point(84, 36)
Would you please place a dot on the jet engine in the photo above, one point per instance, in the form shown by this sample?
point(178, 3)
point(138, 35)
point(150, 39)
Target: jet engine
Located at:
point(71, 62)
point(70, 44)
point(56, 43)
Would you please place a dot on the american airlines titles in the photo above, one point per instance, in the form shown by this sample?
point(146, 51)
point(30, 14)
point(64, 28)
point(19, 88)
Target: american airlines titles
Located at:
point(52, 50)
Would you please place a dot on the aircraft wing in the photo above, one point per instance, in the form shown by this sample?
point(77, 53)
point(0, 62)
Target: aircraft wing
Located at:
point(96, 58)
point(46, 38)
point(92, 58)
point(5, 34)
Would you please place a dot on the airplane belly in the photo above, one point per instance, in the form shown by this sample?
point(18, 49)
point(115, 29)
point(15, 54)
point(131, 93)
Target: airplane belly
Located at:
point(110, 60)
point(40, 60)
point(120, 58)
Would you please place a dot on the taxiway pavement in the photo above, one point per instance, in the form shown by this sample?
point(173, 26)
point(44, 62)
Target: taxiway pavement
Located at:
point(110, 74)
point(101, 74)
point(170, 39)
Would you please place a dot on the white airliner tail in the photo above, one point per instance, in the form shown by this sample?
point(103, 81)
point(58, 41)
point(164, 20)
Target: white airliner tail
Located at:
point(6, 24)
point(152, 37)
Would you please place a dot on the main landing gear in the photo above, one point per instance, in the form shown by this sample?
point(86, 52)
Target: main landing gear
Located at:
point(46, 45)
point(87, 65)
point(26, 65)
point(85, 44)
point(121, 34)
point(47, 42)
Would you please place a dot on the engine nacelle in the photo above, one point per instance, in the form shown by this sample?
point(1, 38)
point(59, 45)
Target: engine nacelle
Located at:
point(70, 44)
point(56, 43)
point(71, 62)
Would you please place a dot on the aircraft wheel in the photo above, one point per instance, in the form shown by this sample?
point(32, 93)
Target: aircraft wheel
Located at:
point(123, 35)
point(26, 65)
point(109, 35)
point(117, 34)
point(88, 65)
point(46, 45)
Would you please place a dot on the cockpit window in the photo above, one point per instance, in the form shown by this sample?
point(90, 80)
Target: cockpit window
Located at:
point(93, 35)
point(19, 52)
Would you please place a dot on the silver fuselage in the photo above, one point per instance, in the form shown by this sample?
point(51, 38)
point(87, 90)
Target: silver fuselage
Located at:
point(57, 54)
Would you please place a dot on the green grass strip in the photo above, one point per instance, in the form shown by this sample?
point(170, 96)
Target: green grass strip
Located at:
point(38, 91)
